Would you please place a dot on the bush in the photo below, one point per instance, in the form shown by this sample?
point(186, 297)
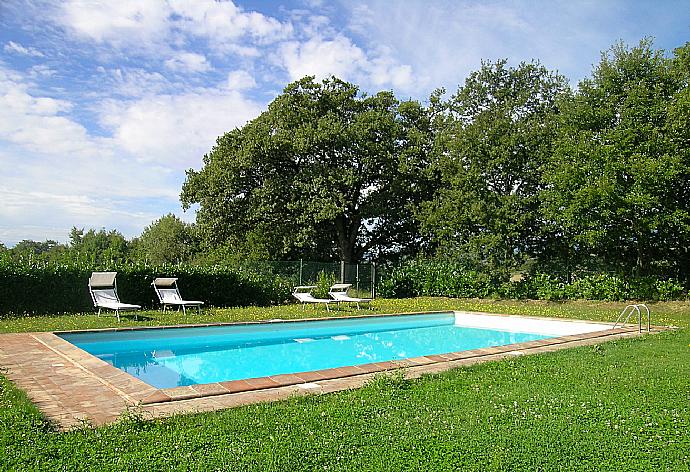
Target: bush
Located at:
point(324, 282)
point(451, 279)
point(41, 288)
point(436, 278)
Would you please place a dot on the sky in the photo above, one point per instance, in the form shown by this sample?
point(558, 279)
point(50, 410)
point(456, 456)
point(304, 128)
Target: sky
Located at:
point(105, 104)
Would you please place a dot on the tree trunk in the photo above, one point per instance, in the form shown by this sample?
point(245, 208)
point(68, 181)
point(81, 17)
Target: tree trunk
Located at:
point(347, 237)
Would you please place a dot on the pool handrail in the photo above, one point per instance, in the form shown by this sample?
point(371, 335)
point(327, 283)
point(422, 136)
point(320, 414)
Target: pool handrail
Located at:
point(629, 310)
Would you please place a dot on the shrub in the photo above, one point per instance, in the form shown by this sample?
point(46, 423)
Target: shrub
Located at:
point(324, 282)
point(41, 288)
point(451, 279)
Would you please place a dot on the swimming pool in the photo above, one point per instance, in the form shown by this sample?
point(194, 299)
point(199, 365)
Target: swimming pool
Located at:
point(172, 357)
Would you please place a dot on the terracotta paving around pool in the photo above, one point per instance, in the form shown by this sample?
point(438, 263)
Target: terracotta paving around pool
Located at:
point(71, 386)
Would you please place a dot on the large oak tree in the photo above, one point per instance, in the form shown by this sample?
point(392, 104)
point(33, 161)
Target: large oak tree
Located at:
point(325, 172)
point(493, 138)
point(619, 182)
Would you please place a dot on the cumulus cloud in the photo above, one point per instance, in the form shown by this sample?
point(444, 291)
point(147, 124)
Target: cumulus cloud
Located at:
point(339, 56)
point(38, 123)
point(133, 23)
point(16, 48)
point(121, 23)
point(240, 80)
point(188, 62)
point(224, 22)
point(176, 129)
point(321, 57)
point(56, 174)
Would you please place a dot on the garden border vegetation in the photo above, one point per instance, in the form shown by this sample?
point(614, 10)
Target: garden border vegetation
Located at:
point(44, 288)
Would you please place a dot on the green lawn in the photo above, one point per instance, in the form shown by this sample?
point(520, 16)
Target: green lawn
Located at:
point(623, 405)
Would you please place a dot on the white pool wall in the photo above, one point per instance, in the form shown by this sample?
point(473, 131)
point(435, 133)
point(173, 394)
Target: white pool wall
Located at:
point(520, 324)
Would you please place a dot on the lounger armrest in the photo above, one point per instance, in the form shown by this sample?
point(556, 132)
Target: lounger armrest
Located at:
point(183, 302)
point(118, 306)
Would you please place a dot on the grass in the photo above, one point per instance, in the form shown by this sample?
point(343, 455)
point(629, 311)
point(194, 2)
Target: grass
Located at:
point(663, 313)
point(623, 405)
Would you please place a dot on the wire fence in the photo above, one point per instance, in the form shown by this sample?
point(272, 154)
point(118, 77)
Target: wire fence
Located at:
point(361, 276)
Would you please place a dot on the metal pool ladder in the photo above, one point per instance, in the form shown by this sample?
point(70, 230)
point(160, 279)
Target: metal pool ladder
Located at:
point(630, 310)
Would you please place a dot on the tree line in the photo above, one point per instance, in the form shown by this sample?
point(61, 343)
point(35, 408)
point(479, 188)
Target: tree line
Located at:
point(515, 170)
point(168, 240)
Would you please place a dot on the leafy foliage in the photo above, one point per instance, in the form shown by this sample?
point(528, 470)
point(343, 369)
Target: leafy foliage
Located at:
point(619, 181)
point(588, 191)
point(324, 173)
point(43, 288)
point(324, 282)
point(167, 240)
point(492, 139)
point(451, 279)
point(98, 247)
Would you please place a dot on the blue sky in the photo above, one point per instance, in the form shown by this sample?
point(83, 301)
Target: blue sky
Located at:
point(105, 104)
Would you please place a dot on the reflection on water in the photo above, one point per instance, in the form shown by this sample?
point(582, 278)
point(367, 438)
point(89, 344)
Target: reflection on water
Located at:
point(212, 360)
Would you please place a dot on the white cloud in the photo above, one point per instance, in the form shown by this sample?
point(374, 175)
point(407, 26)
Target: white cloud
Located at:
point(188, 62)
point(444, 41)
point(37, 123)
point(176, 129)
point(384, 71)
point(56, 174)
point(124, 22)
point(344, 59)
point(322, 58)
point(243, 51)
point(17, 48)
point(153, 25)
point(240, 80)
point(40, 215)
point(134, 82)
point(41, 70)
point(224, 22)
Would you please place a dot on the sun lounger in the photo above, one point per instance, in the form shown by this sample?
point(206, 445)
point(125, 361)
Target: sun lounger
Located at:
point(169, 294)
point(103, 289)
point(339, 293)
point(303, 294)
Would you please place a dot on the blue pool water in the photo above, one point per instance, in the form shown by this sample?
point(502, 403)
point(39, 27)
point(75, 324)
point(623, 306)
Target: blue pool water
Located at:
point(186, 356)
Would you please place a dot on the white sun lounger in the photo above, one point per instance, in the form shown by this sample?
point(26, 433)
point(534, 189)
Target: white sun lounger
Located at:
point(339, 293)
point(103, 289)
point(169, 294)
point(303, 294)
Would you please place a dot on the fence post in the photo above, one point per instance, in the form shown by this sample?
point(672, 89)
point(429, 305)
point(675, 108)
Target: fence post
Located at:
point(357, 278)
point(373, 279)
point(300, 272)
point(342, 272)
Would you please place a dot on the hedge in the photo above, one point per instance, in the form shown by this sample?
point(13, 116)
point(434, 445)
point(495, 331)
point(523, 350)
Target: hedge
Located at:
point(450, 279)
point(41, 288)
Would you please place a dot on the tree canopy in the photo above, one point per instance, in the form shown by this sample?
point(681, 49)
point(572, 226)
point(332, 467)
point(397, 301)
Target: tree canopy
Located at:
point(98, 246)
point(618, 184)
point(326, 172)
point(492, 139)
point(168, 240)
